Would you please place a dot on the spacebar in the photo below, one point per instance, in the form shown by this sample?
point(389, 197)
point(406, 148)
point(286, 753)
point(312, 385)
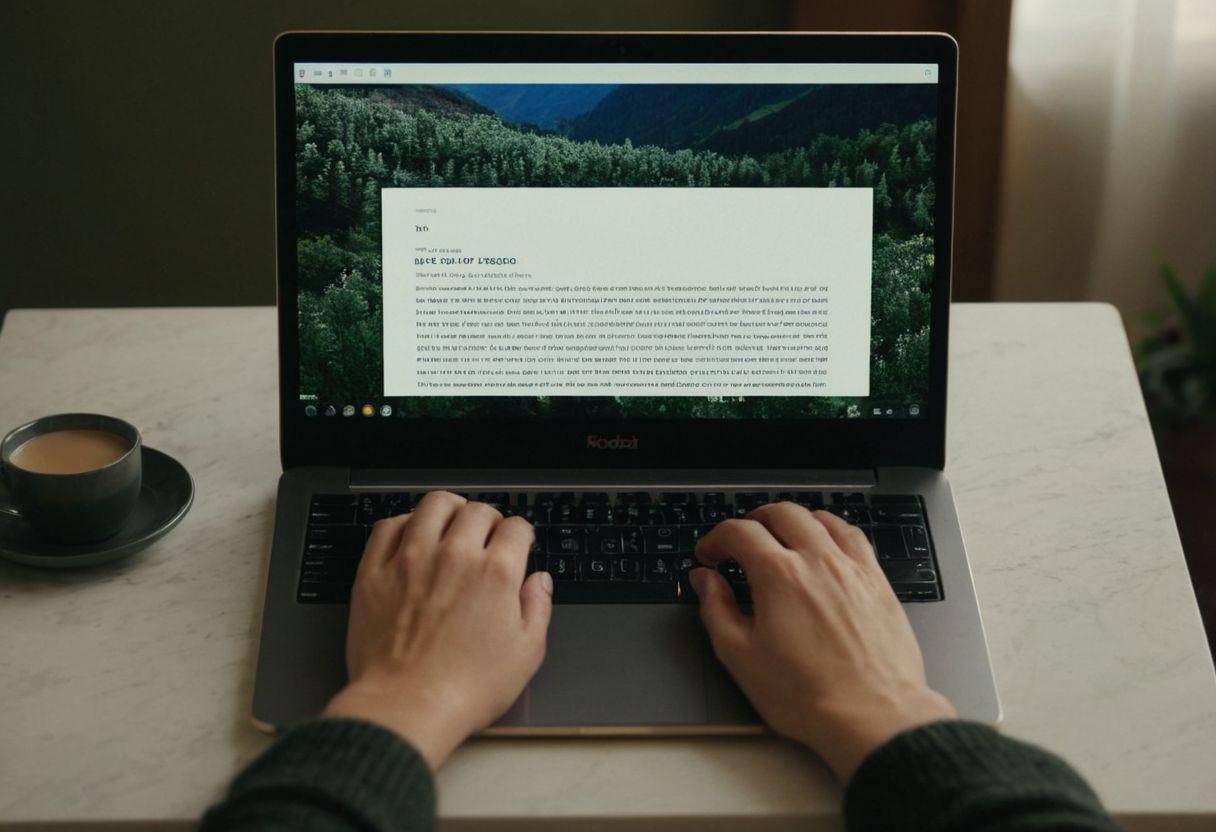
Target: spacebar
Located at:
point(604, 592)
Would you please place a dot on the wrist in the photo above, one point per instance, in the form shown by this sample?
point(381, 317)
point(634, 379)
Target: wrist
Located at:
point(433, 729)
point(848, 731)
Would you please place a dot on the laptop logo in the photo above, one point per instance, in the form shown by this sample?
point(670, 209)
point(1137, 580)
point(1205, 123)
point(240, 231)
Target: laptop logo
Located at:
point(616, 443)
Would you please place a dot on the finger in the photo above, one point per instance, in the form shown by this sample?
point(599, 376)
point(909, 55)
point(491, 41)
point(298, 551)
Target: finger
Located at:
point(850, 539)
point(510, 545)
point(432, 516)
point(420, 540)
point(470, 529)
point(536, 606)
point(726, 624)
point(384, 541)
point(795, 527)
point(747, 541)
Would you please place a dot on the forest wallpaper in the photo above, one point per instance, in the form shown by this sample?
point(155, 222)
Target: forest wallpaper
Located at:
point(353, 141)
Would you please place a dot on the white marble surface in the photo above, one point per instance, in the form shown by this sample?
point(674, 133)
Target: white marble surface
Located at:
point(124, 691)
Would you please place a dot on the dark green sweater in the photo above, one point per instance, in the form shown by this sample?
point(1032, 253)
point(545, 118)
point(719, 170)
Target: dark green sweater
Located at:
point(338, 775)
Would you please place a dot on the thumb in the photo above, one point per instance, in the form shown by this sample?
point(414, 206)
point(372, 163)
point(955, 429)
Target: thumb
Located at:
point(720, 612)
point(536, 603)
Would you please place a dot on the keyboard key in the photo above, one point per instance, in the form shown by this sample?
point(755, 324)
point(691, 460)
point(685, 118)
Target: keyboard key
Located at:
point(333, 499)
point(617, 515)
point(717, 513)
point(331, 515)
point(632, 541)
point(338, 569)
point(396, 504)
point(713, 498)
point(494, 498)
point(368, 508)
point(323, 592)
point(661, 540)
point(677, 514)
point(853, 497)
point(349, 548)
point(626, 569)
point(689, 535)
point(566, 540)
point(562, 567)
point(593, 513)
point(637, 514)
point(917, 541)
point(889, 543)
point(632, 498)
point(660, 568)
point(605, 541)
point(748, 500)
point(683, 563)
point(909, 513)
point(345, 535)
point(879, 499)
point(909, 572)
point(595, 569)
point(811, 499)
point(554, 498)
point(855, 514)
point(677, 498)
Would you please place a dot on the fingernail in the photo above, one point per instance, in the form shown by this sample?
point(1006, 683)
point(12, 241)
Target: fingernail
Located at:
point(546, 582)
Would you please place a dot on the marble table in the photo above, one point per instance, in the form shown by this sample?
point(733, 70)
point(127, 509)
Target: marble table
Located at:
point(125, 690)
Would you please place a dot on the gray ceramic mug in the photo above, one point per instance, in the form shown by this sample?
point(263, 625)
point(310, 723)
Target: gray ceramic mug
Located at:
point(73, 508)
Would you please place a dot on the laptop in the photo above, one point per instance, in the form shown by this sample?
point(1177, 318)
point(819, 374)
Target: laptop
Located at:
point(626, 286)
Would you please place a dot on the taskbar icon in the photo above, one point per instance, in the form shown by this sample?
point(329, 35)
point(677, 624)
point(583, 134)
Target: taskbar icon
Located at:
point(898, 410)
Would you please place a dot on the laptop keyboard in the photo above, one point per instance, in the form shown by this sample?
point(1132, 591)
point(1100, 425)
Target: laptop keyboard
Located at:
point(625, 546)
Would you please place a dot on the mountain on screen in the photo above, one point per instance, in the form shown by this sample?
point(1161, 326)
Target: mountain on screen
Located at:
point(440, 101)
point(746, 118)
point(542, 105)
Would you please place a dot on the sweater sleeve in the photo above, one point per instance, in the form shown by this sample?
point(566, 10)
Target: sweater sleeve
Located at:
point(331, 775)
point(955, 776)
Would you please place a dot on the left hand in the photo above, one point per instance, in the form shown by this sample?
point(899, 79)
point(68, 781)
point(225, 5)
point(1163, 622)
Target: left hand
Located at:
point(444, 632)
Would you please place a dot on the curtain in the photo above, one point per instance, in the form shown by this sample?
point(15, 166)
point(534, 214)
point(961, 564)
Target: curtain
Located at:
point(1110, 150)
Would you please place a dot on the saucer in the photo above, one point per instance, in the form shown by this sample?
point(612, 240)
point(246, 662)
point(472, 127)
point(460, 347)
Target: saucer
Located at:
point(164, 499)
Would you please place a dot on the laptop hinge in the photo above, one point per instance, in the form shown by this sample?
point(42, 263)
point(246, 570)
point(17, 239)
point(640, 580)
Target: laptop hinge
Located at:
point(387, 479)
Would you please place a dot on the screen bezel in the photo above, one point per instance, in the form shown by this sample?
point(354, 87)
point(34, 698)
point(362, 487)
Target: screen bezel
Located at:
point(377, 442)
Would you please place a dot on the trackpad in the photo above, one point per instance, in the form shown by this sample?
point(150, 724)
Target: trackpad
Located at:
point(624, 664)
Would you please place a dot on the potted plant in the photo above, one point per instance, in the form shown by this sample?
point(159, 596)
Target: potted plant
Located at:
point(1177, 364)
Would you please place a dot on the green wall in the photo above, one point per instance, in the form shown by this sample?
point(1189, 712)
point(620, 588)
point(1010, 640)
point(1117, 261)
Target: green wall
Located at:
point(136, 147)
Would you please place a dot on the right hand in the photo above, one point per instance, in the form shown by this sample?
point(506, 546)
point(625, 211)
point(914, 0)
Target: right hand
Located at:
point(828, 658)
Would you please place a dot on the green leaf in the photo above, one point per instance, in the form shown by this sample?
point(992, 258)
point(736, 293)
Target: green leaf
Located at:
point(1182, 300)
point(1206, 299)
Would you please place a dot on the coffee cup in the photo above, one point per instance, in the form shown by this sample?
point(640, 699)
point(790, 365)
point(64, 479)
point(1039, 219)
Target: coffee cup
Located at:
point(75, 477)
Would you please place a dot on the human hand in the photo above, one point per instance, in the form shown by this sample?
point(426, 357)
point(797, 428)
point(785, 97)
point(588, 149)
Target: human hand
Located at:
point(444, 631)
point(828, 658)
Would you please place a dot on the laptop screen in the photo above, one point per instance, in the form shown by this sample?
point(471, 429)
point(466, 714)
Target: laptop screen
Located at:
point(632, 241)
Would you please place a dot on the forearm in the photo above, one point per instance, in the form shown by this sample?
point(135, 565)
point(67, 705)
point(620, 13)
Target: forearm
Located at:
point(960, 776)
point(331, 775)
